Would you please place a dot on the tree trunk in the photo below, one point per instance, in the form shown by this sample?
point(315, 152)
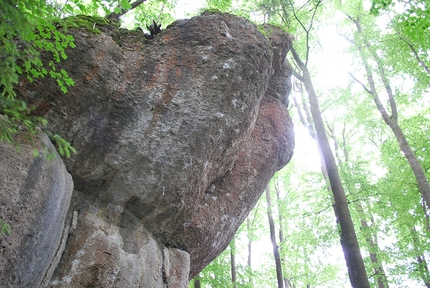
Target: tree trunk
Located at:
point(196, 282)
point(422, 263)
point(371, 238)
point(233, 261)
point(307, 122)
point(424, 270)
point(391, 120)
point(281, 235)
point(373, 246)
point(348, 240)
point(423, 184)
point(248, 226)
point(273, 239)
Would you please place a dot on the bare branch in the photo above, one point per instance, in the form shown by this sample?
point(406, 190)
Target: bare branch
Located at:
point(309, 29)
point(306, 3)
point(297, 58)
point(345, 141)
point(346, 37)
point(359, 82)
point(385, 80)
point(297, 75)
point(294, 71)
point(295, 16)
point(299, 110)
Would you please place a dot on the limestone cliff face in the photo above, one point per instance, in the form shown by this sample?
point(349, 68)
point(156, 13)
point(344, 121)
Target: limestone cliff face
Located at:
point(176, 138)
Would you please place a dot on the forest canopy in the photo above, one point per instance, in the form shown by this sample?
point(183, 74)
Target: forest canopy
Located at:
point(353, 206)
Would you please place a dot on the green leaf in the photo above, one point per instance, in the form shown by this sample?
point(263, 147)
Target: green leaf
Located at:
point(125, 4)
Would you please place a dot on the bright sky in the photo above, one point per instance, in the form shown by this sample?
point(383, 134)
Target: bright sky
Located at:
point(187, 6)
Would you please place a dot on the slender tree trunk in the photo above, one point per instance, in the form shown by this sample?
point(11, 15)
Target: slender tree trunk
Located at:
point(307, 122)
point(370, 237)
point(248, 227)
point(233, 261)
point(273, 239)
point(351, 249)
point(196, 282)
point(373, 245)
point(422, 263)
point(416, 167)
point(281, 235)
point(424, 270)
point(391, 120)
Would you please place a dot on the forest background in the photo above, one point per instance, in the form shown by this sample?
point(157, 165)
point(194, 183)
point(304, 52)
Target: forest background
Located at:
point(352, 208)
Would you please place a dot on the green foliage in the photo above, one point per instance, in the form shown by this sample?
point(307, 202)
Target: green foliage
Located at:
point(378, 5)
point(216, 5)
point(63, 147)
point(91, 23)
point(4, 228)
point(27, 29)
point(157, 10)
point(217, 273)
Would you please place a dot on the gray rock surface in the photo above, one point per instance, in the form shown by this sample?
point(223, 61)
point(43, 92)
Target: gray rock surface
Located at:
point(176, 138)
point(34, 199)
point(126, 255)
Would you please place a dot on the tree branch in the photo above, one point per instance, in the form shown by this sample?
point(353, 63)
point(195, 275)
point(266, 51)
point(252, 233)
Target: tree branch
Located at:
point(294, 71)
point(297, 75)
point(345, 150)
point(310, 27)
point(371, 81)
point(297, 58)
point(346, 37)
point(372, 90)
point(115, 16)
point(384, 79)
point(421, 62)
point(359, 82)
point(307, 30)
point(299, 110)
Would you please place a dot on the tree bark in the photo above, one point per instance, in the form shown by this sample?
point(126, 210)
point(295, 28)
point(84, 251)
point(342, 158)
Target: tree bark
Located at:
point(273, 239)
point(351, 249)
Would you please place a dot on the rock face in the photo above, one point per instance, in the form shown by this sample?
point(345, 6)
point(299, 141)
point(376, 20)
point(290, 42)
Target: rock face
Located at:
point(177, 137)
point(35, 197)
